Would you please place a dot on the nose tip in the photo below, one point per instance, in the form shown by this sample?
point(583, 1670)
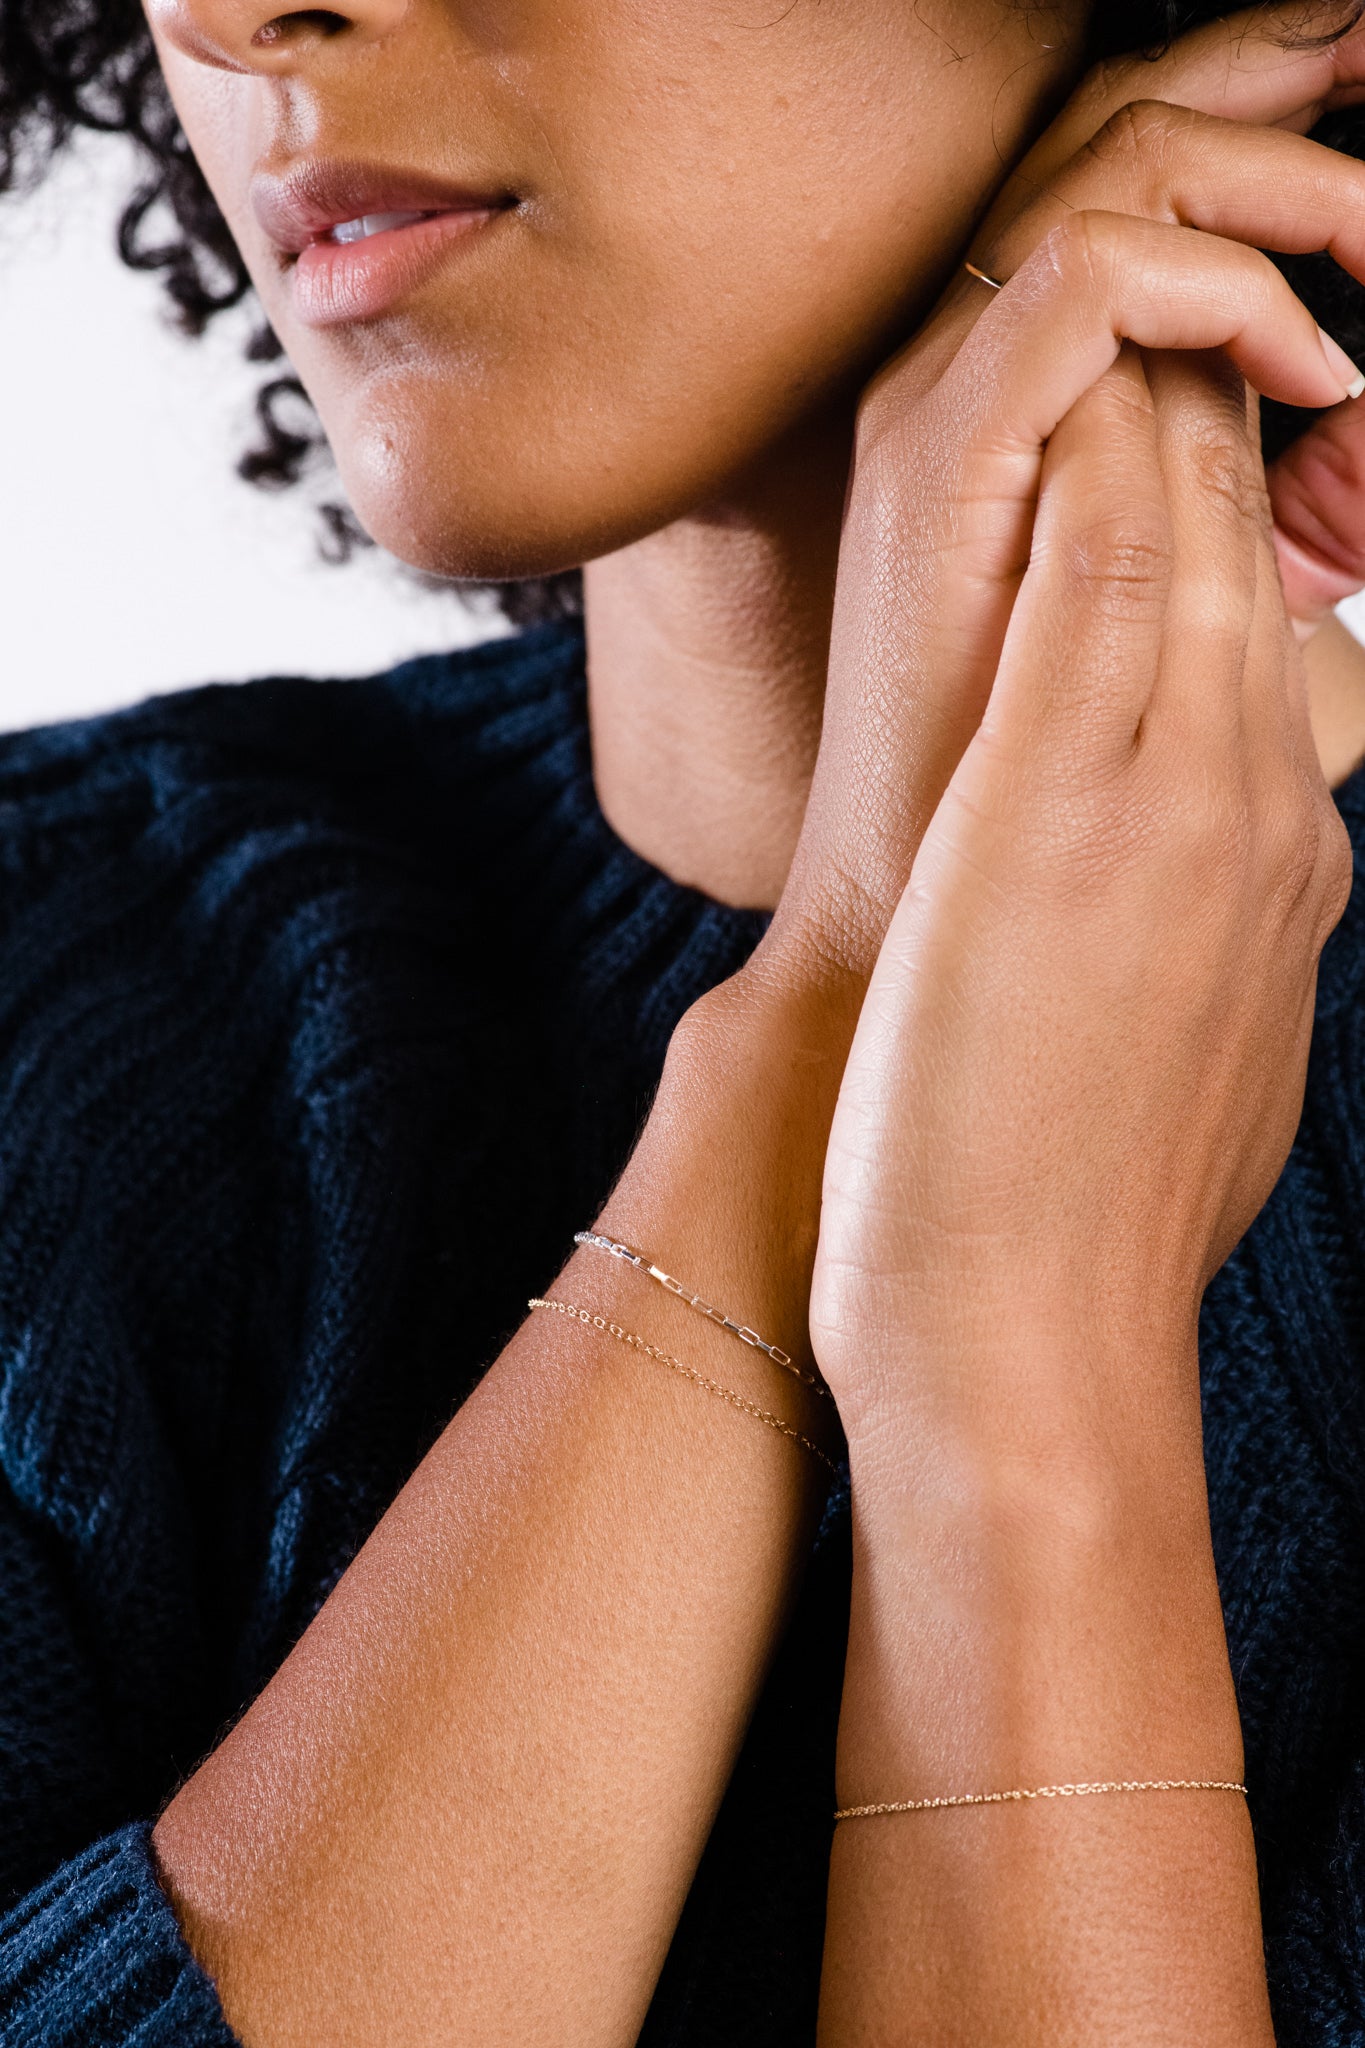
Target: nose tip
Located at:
point(245, 35)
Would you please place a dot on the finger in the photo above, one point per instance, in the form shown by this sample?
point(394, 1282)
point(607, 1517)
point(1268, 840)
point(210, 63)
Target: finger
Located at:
point(1260, 186)
point(1231, 690)
point(1220, 522)
point(1295, 827)
point(1289, 706)
point(942, 499)
point(1257, 185)
point(1264, 65)
point(1317, 495)
point(1103, 279)
point(1260, 67)
point(963, 465)
point(1275, 692)
point(1083, 648)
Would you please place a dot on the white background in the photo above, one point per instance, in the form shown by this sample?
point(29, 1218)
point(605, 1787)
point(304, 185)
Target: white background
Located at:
point(132, 558)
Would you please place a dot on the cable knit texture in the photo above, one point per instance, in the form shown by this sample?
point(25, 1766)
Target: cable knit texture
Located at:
point(327, 1013)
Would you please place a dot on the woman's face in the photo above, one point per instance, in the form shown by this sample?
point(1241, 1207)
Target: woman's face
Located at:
point(660, 238)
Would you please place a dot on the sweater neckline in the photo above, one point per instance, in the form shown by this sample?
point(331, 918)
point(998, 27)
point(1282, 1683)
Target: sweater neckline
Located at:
point(607, 905)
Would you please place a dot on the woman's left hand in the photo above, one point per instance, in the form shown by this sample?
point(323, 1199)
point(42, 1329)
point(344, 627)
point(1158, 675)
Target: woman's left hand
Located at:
point(1076, 1074)
point(1080, 1061)
point(1210, 136)
point(1148, 137)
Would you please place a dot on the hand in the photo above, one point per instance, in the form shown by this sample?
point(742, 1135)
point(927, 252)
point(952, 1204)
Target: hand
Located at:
point(1074, 1078)
point(1077, 1068)
point(952, 432)
point(1079, 1064)
point(1144, 138)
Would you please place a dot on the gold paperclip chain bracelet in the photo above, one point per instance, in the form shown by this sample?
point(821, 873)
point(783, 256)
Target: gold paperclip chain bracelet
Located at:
point(713, 1314)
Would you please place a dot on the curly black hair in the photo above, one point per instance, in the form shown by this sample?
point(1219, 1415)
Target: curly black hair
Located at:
point(67, 65)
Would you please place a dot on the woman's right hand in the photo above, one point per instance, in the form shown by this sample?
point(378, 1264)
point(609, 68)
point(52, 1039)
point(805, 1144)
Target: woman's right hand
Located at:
point(1137, 217)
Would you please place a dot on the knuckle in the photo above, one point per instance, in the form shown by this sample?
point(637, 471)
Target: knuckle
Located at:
point(881, 409)
point(1224, 469)
point(1122, 559)
point(893, 397)
point(1264, 281)
point(1079, 250)
point(1337, 870)
point(1296, 848)
point(887, 412)
point(1107, 83)
point(1138, 133)
point(1309, 857)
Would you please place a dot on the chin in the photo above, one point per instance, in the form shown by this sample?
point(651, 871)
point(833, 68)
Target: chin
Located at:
point(450, 523)
point(462, 538)
point(497, 487)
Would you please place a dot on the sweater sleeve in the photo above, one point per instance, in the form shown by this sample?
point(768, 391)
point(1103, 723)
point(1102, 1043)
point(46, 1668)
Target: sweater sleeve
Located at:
point(95, 1956)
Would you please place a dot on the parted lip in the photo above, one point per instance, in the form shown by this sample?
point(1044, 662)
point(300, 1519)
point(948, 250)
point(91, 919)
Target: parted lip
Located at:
point(298, 206)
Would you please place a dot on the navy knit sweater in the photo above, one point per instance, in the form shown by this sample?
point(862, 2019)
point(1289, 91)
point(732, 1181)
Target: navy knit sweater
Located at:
point(327, 1013)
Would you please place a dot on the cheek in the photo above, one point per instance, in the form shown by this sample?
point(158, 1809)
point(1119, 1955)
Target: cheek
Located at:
point(614, 370)
point(721, 239)
point(572, 398)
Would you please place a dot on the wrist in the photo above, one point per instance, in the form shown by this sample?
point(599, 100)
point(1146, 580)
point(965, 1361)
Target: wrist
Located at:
point(783, 1014)
point(750, 1084)
point(723, 1189)
point(1067, 1388)
point(1017, 1625)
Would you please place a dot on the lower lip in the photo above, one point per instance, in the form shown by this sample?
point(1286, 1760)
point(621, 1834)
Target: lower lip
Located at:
point(337, 282)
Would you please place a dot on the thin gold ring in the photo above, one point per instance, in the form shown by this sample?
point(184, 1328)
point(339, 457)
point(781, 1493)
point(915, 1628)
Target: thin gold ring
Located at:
point(996, 284)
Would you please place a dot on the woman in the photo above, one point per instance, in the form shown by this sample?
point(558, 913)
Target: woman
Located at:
point(332, 1013)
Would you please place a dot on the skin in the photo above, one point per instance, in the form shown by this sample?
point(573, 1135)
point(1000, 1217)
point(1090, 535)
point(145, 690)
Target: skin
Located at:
point(664, 159)
point(723, 233)
point(714, 541)
point(978, 657)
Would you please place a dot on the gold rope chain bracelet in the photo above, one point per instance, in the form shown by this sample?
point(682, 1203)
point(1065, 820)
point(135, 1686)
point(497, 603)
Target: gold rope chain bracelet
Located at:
point(687, 1372)
point(1042, 1792)
point(697, 1301)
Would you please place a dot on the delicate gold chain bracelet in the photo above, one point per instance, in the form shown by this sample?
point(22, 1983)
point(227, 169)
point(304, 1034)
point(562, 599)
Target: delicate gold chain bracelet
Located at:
point(688, 1372)
point(1042, 1792)
point(697, 1301)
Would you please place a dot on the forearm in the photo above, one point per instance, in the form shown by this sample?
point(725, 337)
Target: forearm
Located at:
point(470, 1804)
point(1026, 1614)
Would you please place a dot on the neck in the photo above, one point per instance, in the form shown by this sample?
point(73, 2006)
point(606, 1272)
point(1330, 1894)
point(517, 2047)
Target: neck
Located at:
point(707, 649)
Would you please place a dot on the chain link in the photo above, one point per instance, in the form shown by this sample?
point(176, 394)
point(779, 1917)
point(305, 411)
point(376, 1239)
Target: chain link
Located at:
point(1042, 1792)
point(743, 1331)
point(687, 1372)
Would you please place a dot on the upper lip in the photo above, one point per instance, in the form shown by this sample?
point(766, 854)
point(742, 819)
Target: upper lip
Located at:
point(296, 206)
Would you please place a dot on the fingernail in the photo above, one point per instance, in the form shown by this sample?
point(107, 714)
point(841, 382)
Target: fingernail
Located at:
point(1341, 366)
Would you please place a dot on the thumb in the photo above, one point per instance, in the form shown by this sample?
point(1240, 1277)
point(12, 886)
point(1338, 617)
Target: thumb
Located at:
point(1317, 495)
